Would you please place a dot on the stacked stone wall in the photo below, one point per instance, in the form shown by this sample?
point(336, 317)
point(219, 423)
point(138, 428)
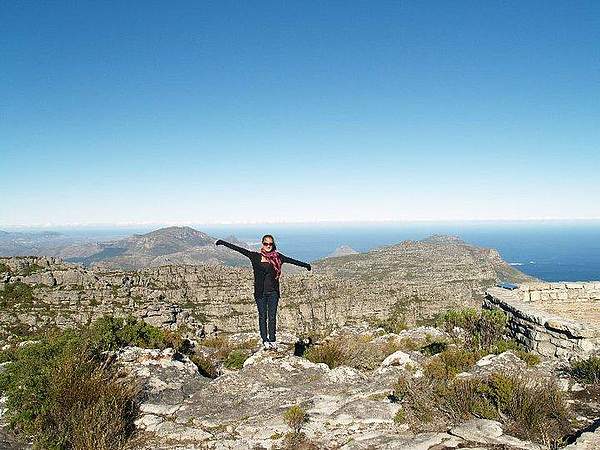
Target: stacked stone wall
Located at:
point(552, 319)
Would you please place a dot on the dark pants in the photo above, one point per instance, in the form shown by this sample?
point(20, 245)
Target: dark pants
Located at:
point(267, 315)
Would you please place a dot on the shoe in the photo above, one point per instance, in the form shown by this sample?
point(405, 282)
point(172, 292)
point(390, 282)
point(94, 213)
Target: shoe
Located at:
point(273, 346)
point(266, 345)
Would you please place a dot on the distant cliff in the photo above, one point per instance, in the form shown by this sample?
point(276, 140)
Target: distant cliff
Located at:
point(416, 279)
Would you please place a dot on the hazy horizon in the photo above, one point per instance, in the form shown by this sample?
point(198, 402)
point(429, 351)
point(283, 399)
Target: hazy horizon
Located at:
point(157, 225)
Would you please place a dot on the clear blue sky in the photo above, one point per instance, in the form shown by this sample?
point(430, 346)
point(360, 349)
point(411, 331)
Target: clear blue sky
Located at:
point(115, 112)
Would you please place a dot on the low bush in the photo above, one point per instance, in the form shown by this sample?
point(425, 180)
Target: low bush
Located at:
point(206, 366)
point(295, 417)
point(347, 350)
point(4, 268)
point(63, 392)
point(434, 348)
point(450, 362)
point(587, 370)
point(504, 345)
point(31, 268)
point(482, 329)
point(17, 292)
point(235, 359)
point(530, 408)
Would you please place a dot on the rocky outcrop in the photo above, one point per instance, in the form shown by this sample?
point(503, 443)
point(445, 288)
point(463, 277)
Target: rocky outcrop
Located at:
point(244, 409)
point(414, 279)
point(343, 250)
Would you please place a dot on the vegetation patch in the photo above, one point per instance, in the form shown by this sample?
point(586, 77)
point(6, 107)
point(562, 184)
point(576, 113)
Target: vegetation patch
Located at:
point(235, 359)
point(445, 365)
point(347, 350)
point(63, 392)
point(504, 345)
point(4, 268)
point(478, 329)
point(295, 417)
point(225, 352)
point(587, 370)
point(530, 408)
point(30, 269)
point(15, 293)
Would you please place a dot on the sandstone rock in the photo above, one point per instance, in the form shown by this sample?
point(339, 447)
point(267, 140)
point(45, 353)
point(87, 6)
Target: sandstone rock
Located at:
point(490, 432)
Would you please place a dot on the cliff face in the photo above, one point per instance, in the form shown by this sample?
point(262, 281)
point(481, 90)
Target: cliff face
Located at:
point(416, 279)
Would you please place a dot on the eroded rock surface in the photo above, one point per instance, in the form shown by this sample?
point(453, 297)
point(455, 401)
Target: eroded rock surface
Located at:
point(418, 278)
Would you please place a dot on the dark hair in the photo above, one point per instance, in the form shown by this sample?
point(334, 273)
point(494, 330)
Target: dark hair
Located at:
point(272, 238)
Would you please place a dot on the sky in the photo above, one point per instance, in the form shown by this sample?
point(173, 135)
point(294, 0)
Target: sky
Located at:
point(133, 112)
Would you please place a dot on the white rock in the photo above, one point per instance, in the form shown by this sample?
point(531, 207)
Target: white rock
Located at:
point(489, 432)
point(398, 358)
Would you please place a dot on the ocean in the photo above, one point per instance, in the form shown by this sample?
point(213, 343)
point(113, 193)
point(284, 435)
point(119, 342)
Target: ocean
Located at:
point(551, 251)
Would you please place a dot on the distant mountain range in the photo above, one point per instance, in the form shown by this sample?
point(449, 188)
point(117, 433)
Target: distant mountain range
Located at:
point(172, 245)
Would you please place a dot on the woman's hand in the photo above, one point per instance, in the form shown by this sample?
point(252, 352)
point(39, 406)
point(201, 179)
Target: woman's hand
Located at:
point(218, 242)
point(309, 268)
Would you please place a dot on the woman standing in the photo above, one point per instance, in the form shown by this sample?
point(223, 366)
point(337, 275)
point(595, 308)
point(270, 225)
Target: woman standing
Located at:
point(266, 266)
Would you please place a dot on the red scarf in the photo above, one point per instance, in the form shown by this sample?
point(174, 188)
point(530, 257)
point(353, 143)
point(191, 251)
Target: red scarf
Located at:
point(274, 260)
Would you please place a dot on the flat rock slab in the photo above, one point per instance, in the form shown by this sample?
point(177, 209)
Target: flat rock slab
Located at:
point(489, 432)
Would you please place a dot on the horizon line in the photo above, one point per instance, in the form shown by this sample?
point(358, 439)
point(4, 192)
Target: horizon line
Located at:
point(307, 222)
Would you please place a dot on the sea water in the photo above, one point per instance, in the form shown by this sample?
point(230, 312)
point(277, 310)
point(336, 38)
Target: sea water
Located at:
point(551, 251)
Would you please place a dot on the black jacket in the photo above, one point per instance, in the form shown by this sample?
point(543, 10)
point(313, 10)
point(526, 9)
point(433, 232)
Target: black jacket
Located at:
point(262, 271)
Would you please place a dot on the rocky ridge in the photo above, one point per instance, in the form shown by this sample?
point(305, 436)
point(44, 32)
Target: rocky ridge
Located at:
point(413, 279)
point(346, 408)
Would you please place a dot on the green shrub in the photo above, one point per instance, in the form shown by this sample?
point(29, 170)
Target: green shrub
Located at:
point(535, 408)
point(465, 398)
point(450, 362)
point(235, 359)
point(295, 417)
point(17, 292)
point(482, 329)
point(31, 268)
point(63, 393)
point(4, 268)
point(400, 416)
point(207, 367)
point(504, 345)
point(587, 370)
point(434, 348)
point(347, 350)
point(531, 408)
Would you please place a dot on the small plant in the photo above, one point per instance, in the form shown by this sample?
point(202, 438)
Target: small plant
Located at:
point(504, 345)
point(30, 269)
point(235, 359)
point(347, 350)
point(587, 370)
point(295, 417)
point(434, 348)
point(206, 366)
point(400, 416)
point(4, 268)
point(445, 365)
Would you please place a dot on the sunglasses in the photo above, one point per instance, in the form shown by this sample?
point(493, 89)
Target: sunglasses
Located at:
point(268, 244)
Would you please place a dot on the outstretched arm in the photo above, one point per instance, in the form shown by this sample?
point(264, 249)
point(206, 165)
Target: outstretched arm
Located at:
point(285, 259)
point(241, 250)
